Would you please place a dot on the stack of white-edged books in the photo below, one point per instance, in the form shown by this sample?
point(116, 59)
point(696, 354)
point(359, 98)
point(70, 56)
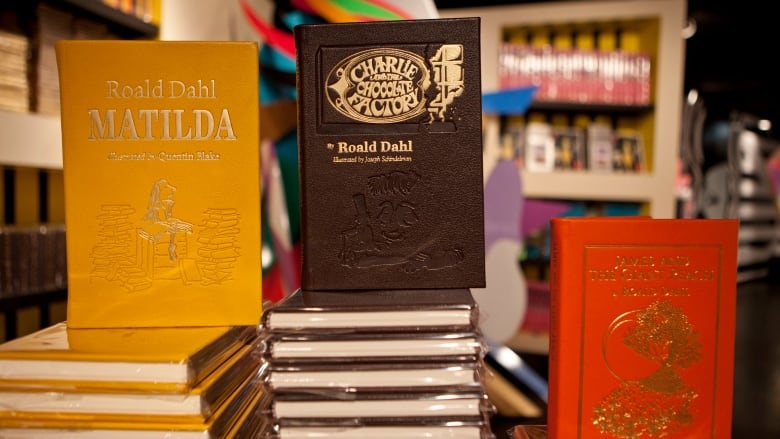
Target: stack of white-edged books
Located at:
point(376, 363)
point(172, 383)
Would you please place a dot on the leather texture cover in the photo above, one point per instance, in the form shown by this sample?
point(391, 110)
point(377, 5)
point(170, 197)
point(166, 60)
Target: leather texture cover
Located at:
point(643, 316)
point(390, 148)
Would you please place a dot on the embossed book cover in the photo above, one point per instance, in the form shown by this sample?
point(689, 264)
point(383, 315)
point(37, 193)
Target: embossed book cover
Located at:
point(390, 143)
point(643, 315)
point(162, 182)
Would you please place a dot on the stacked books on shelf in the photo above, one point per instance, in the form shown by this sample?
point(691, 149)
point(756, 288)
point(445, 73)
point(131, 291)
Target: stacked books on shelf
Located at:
point(28, 64)
point(145, 10)
point(53, 25)
point(567, 74)
point(14, 89)
point(32, 259)
point(377, 363)
point(199, 382)
point(543, 144)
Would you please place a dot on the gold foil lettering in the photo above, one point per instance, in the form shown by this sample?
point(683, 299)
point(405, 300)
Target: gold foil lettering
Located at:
point(691, 274)
point(379, 86)
point(599, 275)
point(448, 77)
point(643, 261)
point(197, 124)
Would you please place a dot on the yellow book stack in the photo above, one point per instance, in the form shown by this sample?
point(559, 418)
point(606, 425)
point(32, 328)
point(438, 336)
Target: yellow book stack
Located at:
point(199, 382)
point(162, 212)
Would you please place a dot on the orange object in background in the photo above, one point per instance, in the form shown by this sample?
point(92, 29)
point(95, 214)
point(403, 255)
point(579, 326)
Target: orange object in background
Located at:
point(642, 327)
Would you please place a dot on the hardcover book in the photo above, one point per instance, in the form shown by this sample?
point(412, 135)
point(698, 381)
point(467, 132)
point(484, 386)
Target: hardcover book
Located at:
point(391, 407)
point(162, 182)
point(253, 422)
point(600, 140)
point(629, 153)
point(188, 405)
point(417, 429)
point(390, 150)
point(138, 358)
point(339, 379)
point(643, 315)
point(569, 147)
point(539, 147)
point(249, 396)
point(362, 348)
point(374, 311)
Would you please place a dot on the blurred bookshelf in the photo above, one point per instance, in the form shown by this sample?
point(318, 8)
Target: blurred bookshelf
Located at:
point(613, 30)
point(33, 287)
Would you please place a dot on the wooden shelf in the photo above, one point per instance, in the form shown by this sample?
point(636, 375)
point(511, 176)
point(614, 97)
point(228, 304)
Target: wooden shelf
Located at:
point(126, 24)
point(35, 140)
point(30, 140)
point(586, 185)
point(583, 107)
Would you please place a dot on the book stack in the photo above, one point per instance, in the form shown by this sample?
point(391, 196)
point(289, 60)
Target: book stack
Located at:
point(54, 25)
point(377, 363)
point(14, 90)
point(161, 338)
point(382, 340)
point(32, 259)
point(199, 382)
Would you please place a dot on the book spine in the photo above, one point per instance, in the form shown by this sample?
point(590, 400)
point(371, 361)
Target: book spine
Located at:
point(554, 363)
point(566, 277)
point(302, 65)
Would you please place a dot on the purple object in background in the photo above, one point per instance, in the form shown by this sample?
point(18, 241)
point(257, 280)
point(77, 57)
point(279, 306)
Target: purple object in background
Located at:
point(537, 214)
point(503, 203)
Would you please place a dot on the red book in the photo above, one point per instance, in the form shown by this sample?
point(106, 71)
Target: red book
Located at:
point(643, 316)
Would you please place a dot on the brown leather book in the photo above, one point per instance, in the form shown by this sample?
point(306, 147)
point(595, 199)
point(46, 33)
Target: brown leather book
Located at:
point(390, 150)
point(376, 311)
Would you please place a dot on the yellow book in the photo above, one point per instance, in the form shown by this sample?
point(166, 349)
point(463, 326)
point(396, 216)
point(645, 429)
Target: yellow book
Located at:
point(248, 400)
point(139, 358)
point(198, 403)
point(162, 182)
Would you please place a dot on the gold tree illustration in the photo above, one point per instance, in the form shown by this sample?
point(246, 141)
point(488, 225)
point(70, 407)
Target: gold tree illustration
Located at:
point(664, 335)
point(659, 404)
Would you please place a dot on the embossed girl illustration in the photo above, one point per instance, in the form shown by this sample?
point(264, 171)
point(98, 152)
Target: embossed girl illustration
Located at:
point(159, 211)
